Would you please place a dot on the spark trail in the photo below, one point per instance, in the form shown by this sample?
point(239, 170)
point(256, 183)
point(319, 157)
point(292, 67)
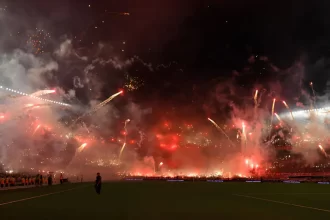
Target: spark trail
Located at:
point(323, 151)
point(220, 129)
point(82, 147)
point(314, 97)
point(96, 108)
point(35, 130)
point(286, 105)
point(125, 129)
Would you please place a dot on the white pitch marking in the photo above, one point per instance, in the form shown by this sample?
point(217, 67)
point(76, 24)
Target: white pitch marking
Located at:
point(288, 193)
point(284, 203)
point(34, 197)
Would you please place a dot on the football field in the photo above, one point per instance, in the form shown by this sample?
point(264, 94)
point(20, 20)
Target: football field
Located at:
point(168, 200)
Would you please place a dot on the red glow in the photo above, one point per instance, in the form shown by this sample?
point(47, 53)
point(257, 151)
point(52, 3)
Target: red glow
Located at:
point(53, 91)
point(121, 91)
point(123, 133)
point(132, 141)
point(112, 139)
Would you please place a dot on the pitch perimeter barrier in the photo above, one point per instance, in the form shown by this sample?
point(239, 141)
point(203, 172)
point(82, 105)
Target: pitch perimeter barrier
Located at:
point(223, 180)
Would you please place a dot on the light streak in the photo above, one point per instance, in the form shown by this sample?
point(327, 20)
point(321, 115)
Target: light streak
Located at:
point(32, 96)
point(123, 147)
point(220, 129)
point(96, 108)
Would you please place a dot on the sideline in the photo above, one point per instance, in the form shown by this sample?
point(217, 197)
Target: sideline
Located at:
point(283, 203)
point(317, 193)
point(43, 195)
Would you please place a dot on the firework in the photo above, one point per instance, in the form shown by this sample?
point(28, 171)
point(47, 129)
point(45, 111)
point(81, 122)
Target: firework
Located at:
point(106, 101)
point(133, 83)
point(323, 151)
point(32, 95)
point(272, 117)
point(43, 92)
point(255, 97)
point(286, 105)
point(125, 137)
point(35, 130)
point(273, 107)
point(96, 108)
point(311, 85)
point(244, 139)
point(38, 41)
point(34, 106)
point(278, 118)
point(220, 129)
point(81, 148)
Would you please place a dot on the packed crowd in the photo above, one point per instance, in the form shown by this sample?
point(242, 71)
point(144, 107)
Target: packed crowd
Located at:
point(26, 180)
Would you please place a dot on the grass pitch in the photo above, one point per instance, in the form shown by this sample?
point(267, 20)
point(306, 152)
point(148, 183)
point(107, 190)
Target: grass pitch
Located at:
point(169, 200)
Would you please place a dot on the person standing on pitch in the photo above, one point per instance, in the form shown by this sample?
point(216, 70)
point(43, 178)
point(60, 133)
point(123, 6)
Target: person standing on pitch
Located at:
point(98, 183)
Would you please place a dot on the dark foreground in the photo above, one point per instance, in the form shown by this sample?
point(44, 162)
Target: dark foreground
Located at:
point(169, 200)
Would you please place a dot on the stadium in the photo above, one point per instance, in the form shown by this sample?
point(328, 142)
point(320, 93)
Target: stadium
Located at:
point(164, 110)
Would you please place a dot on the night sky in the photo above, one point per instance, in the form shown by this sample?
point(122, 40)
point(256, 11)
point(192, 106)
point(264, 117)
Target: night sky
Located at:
point(193, 45)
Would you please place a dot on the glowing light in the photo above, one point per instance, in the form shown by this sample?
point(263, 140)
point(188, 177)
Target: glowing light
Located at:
point(220, 129)
point(323, 151)
point(82, 147)
point(36, 129)
point(278, 117)
point(34, 95)
point(125, 133)
point(256, 95)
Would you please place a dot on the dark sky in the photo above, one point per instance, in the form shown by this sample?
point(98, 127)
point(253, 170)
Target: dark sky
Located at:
point(202, 40)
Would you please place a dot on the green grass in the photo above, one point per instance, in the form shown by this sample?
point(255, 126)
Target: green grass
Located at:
point(164, 200)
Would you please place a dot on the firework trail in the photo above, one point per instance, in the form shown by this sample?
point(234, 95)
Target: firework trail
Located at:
point(35, 130)
point(219, 128)
point(43, 92)
point(32, 106)
point(272, 117)
point(244, 135)
point(286, 105)
point(106, 101)
point(314, 97)
point(96, 108)
point(273, 107)
point(82, 147)
point(323, 151)
point(123, 147)
point(32, 96)
point(278, 118)
point(255, 98)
